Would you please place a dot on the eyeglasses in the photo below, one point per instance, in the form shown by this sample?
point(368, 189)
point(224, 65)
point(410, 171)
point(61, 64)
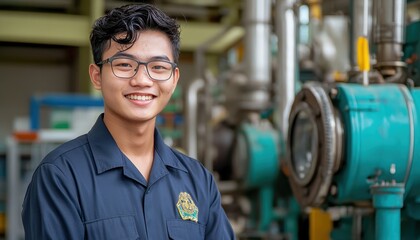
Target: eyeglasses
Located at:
point(124, 67)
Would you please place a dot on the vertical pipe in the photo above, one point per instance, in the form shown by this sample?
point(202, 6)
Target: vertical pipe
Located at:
point(286, 63)
point(14, 187)
point(361, 21)
point(365, 34)
point(365, 18)
point(257, 41)
point(291, 220)
point(191, 126)
point(200, 59)
point(266, 196)
point(388, 201)
point(255, 95)
point(389, 23)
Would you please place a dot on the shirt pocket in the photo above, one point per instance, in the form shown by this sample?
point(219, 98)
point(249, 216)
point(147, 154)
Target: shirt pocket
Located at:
point(185, 230)
point(114, 228)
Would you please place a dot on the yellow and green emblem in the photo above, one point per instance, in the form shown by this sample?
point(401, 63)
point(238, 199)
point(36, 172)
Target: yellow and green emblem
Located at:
point(186, 207)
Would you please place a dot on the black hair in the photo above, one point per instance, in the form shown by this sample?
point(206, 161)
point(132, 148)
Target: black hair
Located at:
point(132, 20)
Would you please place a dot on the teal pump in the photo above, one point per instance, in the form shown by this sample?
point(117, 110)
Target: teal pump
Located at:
point(262, 149)
point(364, 150)
point(256, 165)
point(382, 136)
point(382, 153)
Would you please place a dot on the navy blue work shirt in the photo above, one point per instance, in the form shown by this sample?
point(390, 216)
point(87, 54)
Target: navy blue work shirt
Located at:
point(88, 189)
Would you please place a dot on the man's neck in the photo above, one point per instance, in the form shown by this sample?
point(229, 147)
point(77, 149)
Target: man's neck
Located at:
point(135, 140)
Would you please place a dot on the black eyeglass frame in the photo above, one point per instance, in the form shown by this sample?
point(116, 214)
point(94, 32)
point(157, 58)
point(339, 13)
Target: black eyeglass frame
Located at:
point(110, 59)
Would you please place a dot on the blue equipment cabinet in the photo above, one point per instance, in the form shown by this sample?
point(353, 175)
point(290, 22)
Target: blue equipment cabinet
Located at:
point(59, 100)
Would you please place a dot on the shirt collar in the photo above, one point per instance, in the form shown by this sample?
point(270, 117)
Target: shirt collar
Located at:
point(166, 154)
point(105, 151)
point(107, 155)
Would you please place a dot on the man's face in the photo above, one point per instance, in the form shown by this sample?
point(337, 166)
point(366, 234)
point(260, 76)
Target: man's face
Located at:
point(139, 98)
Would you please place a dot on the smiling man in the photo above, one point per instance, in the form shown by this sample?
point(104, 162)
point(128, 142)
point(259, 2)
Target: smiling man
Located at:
point(120, 180)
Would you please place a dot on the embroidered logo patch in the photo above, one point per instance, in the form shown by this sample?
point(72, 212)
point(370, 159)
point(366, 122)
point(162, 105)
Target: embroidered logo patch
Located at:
point(186, 207)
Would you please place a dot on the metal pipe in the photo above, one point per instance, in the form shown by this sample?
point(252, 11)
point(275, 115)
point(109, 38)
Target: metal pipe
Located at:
point(399, 76)
point(285, 24)
point(14, 185)
point(191, 112)
point(389, 20)
point(210, 81)
point(361, 22)
point(255, 94)
point(365, 34)
point(200, 60)
point(257, 41)
point(388, 201)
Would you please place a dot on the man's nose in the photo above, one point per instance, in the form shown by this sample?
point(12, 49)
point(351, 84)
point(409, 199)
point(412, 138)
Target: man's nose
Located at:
point(142, 77)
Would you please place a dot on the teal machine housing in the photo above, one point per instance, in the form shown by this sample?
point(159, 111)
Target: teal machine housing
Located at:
point(257, 151)
point(361, 148)
point(381, 122)
point(261, 143)
point(256, 164)
point(382, 144)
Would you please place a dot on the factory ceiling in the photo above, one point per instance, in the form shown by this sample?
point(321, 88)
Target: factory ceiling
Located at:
point(67, 22)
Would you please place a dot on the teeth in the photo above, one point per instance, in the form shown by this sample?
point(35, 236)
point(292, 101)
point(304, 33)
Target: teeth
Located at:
point(139, 98)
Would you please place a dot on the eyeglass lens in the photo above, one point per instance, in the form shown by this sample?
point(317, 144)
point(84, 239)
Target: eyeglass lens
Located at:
point(127, 68)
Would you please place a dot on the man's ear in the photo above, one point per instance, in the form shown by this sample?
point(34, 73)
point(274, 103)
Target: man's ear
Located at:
point(95, 76)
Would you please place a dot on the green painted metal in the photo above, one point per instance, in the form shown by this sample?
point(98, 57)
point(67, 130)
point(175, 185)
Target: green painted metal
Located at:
point(343, 230)
point(261, 143)
point(291, 218)
point(266, 196)
point(413, 183)
point(409, 228)
point(412, 209)
point(380, 124)
point(387, 201)
point(382, 155)
point(263, 155)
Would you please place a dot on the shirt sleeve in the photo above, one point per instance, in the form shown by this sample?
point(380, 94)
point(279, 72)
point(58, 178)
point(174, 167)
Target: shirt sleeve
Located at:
point(218, 225)
point(50, 208)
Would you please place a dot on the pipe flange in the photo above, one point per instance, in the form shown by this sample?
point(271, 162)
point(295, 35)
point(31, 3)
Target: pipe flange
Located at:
point(313, 146)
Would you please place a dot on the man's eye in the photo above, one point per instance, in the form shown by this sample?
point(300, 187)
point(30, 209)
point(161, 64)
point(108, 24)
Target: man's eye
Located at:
point(159, 67)
point(124, 64)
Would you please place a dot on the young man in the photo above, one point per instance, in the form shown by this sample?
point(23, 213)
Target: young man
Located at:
point(120, 181)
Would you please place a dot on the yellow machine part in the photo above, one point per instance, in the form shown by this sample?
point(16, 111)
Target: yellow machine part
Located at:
point(320, 224)
point(363, 54)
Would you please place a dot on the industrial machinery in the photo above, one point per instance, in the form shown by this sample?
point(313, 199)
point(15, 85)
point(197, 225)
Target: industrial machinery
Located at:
point(353, 147)
point(345, 143)
point(248, 141)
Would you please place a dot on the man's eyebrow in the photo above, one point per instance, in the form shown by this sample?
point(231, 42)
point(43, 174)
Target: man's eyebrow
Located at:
point(123, 54)
point(159, 57)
